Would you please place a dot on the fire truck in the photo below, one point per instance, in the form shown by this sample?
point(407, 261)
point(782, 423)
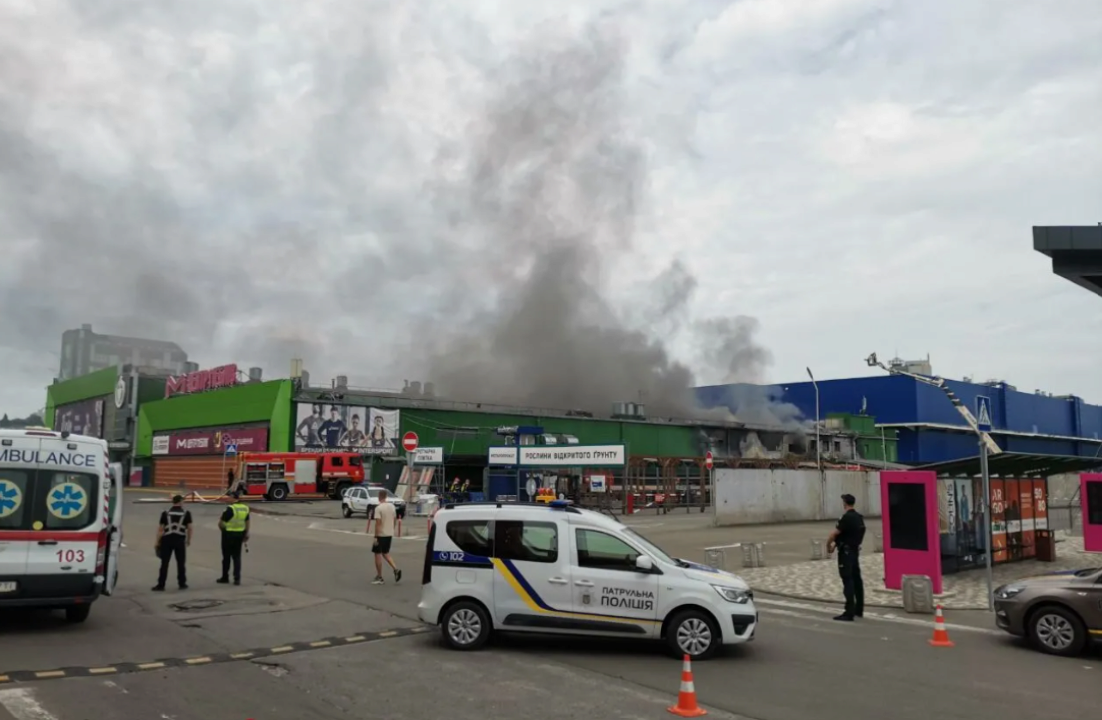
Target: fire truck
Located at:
point(277, 475)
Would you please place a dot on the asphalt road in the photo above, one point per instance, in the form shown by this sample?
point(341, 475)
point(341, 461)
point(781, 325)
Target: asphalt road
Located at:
point(307, 582)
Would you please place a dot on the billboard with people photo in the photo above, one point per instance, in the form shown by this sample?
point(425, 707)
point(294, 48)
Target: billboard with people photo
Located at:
point(322, 427)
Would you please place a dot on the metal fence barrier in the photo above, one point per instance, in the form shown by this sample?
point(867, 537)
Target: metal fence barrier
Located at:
point(817, 549)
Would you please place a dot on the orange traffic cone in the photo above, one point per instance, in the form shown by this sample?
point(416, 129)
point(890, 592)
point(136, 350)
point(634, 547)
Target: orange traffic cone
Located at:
point(941, 635)
point(686, 698)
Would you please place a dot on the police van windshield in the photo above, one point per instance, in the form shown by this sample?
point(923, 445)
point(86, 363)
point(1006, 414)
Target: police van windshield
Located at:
point(47, 499)
point(650, 547)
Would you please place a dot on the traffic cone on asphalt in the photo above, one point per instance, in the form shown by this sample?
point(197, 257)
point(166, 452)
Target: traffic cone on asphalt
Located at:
point(941, 635)
point(686, 698)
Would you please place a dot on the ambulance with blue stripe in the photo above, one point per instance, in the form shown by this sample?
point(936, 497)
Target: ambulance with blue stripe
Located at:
point(60, 521)
point(559, 569)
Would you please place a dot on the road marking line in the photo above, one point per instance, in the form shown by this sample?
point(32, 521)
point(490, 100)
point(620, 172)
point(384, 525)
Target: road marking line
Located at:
point(102, 671)
point(198, 661)
point(877, 616)
point(321, 644)
point(388, 633)
point(283, 649)
point(151, 666)
point(50, 674)
point(355, 638)
point(22, 705)
point(241, 656)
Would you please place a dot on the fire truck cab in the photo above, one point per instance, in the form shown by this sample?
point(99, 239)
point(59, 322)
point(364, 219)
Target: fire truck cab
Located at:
point(277, 476)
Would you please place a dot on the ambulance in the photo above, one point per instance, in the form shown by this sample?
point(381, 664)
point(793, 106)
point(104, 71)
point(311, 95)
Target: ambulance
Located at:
point(558, 569)
point(60, 521)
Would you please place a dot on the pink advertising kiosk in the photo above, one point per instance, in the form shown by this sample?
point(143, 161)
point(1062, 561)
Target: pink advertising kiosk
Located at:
point(908, 501)
point(1090, 493)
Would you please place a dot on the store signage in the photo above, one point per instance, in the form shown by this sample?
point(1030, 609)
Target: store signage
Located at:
point(200, 380)
point(502, 456)
point(572, 456)
point(212, 441)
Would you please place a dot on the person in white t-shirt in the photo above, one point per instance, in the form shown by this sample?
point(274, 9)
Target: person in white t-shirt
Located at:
point(385, 518)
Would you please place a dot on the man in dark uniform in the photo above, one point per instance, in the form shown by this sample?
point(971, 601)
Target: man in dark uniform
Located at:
point(173, 539)
point(234, 525)
point(847, 536)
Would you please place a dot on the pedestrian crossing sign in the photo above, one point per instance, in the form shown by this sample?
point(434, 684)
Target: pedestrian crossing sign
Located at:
point(983, 413)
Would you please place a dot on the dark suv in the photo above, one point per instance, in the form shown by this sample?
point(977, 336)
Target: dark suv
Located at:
point(1060, 613)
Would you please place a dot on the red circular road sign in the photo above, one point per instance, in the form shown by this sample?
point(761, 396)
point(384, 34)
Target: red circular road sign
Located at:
point(708, 460)
point(409, 441)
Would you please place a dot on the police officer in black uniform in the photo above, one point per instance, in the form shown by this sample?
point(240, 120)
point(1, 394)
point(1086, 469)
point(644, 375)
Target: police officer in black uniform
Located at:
point(173, 539)
point(847, 536)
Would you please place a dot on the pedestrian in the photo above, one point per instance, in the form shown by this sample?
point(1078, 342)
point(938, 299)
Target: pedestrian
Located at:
point(173, 539)
point(229, 481)
point(385, 517)
point(234, 524)
point(847, 536)
point(399, 516)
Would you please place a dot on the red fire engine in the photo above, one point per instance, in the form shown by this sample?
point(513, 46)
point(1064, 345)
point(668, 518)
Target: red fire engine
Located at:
point(278, 475)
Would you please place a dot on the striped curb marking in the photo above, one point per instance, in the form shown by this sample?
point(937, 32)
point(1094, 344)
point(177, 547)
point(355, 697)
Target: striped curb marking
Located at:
point(19, 676)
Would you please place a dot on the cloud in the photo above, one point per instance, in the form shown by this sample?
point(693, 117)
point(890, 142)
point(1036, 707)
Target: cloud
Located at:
point(256, 180)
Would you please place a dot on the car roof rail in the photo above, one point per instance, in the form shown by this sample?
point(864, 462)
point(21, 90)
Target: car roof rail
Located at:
point(503, 503)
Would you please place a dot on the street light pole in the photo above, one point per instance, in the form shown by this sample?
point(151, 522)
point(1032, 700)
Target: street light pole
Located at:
point(818, 443)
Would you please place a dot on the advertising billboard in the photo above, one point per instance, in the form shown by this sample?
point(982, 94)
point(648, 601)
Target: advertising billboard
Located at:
point(210, 441)
point(324, 427)
point(81, 418)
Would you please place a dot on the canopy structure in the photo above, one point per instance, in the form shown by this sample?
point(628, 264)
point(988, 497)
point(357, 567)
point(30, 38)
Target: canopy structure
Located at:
point(1016, 465)
point(1076, 253)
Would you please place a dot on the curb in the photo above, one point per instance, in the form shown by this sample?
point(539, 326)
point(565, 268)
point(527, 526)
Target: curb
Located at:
point(838, 600)
point(24, 676)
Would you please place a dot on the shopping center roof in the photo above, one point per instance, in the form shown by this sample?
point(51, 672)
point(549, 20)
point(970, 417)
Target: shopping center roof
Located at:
point(1076, 253)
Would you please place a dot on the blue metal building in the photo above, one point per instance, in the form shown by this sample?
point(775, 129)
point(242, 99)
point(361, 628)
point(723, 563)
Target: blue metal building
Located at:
point(930, 429)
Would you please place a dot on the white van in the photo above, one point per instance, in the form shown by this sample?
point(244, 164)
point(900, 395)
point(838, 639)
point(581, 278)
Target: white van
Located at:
point(559, 569)
point(60, 521)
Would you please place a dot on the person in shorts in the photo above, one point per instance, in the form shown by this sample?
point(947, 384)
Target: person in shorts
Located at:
point(399, 516)
point(385, 518)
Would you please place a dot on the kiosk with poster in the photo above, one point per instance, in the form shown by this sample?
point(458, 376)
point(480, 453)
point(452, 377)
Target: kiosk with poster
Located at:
point(1090, 490)
point(909, 502)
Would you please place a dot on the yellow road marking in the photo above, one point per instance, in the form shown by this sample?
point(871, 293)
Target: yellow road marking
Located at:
point(321, 643)
point(102, 671)
point(241, 656)
point(355, 638)
point(283, 649)
point(388, 633)
point(151, 666)
point(198, 660)
point(50, 674)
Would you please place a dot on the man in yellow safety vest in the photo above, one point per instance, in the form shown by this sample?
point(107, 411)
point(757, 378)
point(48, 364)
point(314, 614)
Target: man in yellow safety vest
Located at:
point(234, 525)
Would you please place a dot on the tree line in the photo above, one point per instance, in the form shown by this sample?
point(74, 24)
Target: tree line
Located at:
point(15, 423)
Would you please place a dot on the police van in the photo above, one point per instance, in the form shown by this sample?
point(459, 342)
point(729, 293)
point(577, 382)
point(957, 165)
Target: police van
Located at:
point(60, 521)
point(556, 568)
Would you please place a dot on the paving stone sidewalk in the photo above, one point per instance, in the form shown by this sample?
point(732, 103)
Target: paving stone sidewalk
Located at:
point(818, 580)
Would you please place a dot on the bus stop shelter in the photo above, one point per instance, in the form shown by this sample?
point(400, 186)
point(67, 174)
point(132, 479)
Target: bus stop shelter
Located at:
point(1021, 522)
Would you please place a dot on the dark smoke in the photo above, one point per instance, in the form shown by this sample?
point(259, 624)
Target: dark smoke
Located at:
point(554, 180)
point(177, 193)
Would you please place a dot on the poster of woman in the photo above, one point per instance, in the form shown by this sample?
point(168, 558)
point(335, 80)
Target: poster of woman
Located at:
point(382, 433)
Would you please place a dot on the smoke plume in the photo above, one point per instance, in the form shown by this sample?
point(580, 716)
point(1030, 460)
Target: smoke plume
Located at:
point(357, 194)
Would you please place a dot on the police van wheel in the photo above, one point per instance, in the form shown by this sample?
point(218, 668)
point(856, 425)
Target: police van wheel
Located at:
point(693, 633)
point(77, 613)
point(465, 626)
point(346, 511)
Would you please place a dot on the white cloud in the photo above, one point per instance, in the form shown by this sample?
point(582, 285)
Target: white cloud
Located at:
point(255, 180)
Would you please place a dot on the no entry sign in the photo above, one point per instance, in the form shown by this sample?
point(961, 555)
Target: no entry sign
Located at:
point(409, 442)
point(708, 460)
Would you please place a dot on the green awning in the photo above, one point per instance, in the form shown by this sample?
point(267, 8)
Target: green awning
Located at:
point(1012, 465)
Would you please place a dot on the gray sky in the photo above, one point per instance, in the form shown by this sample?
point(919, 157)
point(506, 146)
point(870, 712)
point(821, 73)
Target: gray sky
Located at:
point(565, 206)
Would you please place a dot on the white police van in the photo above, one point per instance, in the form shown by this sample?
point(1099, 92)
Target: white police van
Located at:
point(60, 521)
point(511, 567)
